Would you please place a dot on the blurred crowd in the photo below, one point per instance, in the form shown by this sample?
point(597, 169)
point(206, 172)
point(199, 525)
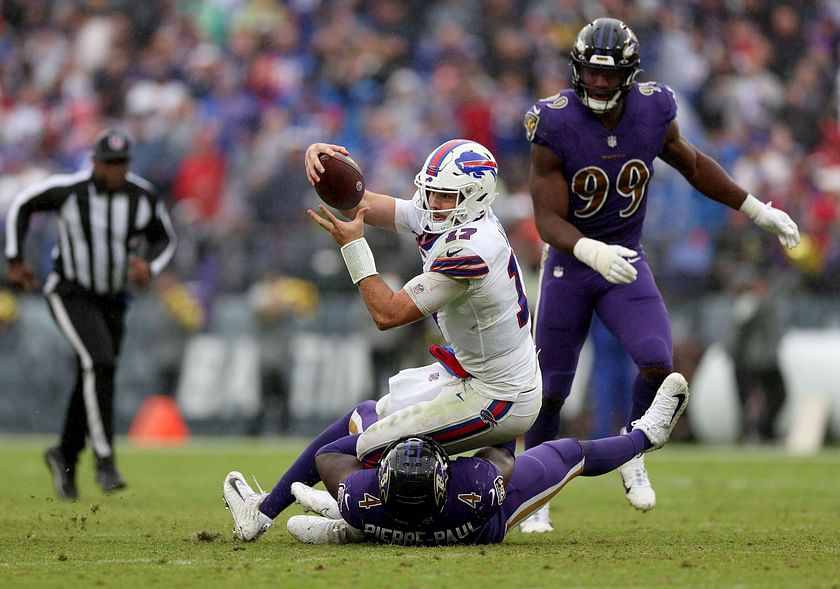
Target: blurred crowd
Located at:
point(223, 96)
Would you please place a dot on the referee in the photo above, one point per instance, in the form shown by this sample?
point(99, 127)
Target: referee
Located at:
point(102, 213)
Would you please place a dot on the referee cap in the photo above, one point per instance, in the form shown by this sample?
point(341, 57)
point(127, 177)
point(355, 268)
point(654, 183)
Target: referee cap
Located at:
point(112, 145)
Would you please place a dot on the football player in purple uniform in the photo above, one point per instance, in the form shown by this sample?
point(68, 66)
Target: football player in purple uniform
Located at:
point(418, 496)
point(592, 156)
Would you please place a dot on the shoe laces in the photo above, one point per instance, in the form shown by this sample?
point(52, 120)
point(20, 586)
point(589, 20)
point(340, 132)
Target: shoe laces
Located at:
point(638, 474)
point(257, 483)
point(258, 498)
point(661, 411)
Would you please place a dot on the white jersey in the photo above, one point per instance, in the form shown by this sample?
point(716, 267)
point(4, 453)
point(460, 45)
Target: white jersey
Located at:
point(489, 325)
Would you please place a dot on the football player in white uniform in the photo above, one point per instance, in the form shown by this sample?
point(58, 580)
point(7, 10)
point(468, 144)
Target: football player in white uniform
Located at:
point(485, 389)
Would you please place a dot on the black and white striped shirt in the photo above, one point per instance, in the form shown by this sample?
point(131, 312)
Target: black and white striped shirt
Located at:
point(96, 229)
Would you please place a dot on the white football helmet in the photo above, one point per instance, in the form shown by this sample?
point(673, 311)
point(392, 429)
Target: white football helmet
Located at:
point(460, 167)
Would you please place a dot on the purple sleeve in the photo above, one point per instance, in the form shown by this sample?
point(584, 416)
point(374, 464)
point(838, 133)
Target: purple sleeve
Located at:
point(669, 102)
point(544, 121)
point(358, 494)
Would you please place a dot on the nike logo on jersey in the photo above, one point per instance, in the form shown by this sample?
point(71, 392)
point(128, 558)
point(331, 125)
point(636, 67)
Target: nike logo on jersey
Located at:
point(454, 252)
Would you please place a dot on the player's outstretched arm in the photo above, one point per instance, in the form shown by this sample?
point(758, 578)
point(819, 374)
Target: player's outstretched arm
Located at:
point(771, 219)
point(387, 308)
point(708, 177)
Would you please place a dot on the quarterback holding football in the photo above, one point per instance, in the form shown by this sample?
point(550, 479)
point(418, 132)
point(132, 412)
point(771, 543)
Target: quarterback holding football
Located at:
point(484, 389)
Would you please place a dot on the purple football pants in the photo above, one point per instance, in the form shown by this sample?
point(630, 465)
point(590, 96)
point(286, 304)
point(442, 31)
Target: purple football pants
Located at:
point(635, 313)
point(542, 472)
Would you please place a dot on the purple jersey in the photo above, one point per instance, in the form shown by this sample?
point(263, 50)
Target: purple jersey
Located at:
point(608, 170)
point(472, 514)
point(479, 508)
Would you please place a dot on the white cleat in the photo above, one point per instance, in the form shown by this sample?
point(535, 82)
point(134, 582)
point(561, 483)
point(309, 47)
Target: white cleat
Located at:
point(657, 424)
point(660, 418)
point(314, 529)
point(249, 523)
point(637, 487)
point(316, 501)
point(538, 522)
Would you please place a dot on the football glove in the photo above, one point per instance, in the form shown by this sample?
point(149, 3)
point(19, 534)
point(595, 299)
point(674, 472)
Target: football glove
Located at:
point(611, 261)
point(316, 501)
point(771, 219)
point(314, 529)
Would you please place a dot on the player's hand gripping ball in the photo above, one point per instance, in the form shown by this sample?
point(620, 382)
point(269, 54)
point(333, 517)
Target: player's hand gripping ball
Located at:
point(342, 184)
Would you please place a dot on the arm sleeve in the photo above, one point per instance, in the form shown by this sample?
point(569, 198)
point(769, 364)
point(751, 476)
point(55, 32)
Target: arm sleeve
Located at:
point(544, 122)
point(354, 485)
point(40, 198)
point(431, 291)
point(161, 237)
point(670, 102)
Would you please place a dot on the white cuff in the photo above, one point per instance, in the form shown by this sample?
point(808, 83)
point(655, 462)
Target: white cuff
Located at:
point(752, 207)
point(586, 249)
point(359, 259)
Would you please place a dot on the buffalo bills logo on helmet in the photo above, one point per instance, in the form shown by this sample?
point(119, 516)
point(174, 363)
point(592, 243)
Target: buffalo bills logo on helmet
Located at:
point(475, 165)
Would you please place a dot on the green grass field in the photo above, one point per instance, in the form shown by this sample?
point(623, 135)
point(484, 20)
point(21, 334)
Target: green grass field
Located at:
point(726, 517)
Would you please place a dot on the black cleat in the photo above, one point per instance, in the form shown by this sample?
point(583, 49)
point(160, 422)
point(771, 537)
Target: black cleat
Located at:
point(108, 476)
point(63, 473)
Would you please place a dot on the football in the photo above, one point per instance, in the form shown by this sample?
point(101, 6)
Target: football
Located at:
point(342, 184)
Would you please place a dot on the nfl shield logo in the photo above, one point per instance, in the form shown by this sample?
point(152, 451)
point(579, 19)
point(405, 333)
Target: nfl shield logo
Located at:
point(116, 142)
point(612, 141)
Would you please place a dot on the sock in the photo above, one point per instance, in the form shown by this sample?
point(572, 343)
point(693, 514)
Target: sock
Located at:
point(545, 428)
point(607, 454)
point(303, 469)
point(643, 393)
point(345, 445)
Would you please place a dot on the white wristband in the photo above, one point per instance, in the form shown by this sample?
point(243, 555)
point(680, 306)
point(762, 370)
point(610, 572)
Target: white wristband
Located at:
point(752, 207)
point(359, 259)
